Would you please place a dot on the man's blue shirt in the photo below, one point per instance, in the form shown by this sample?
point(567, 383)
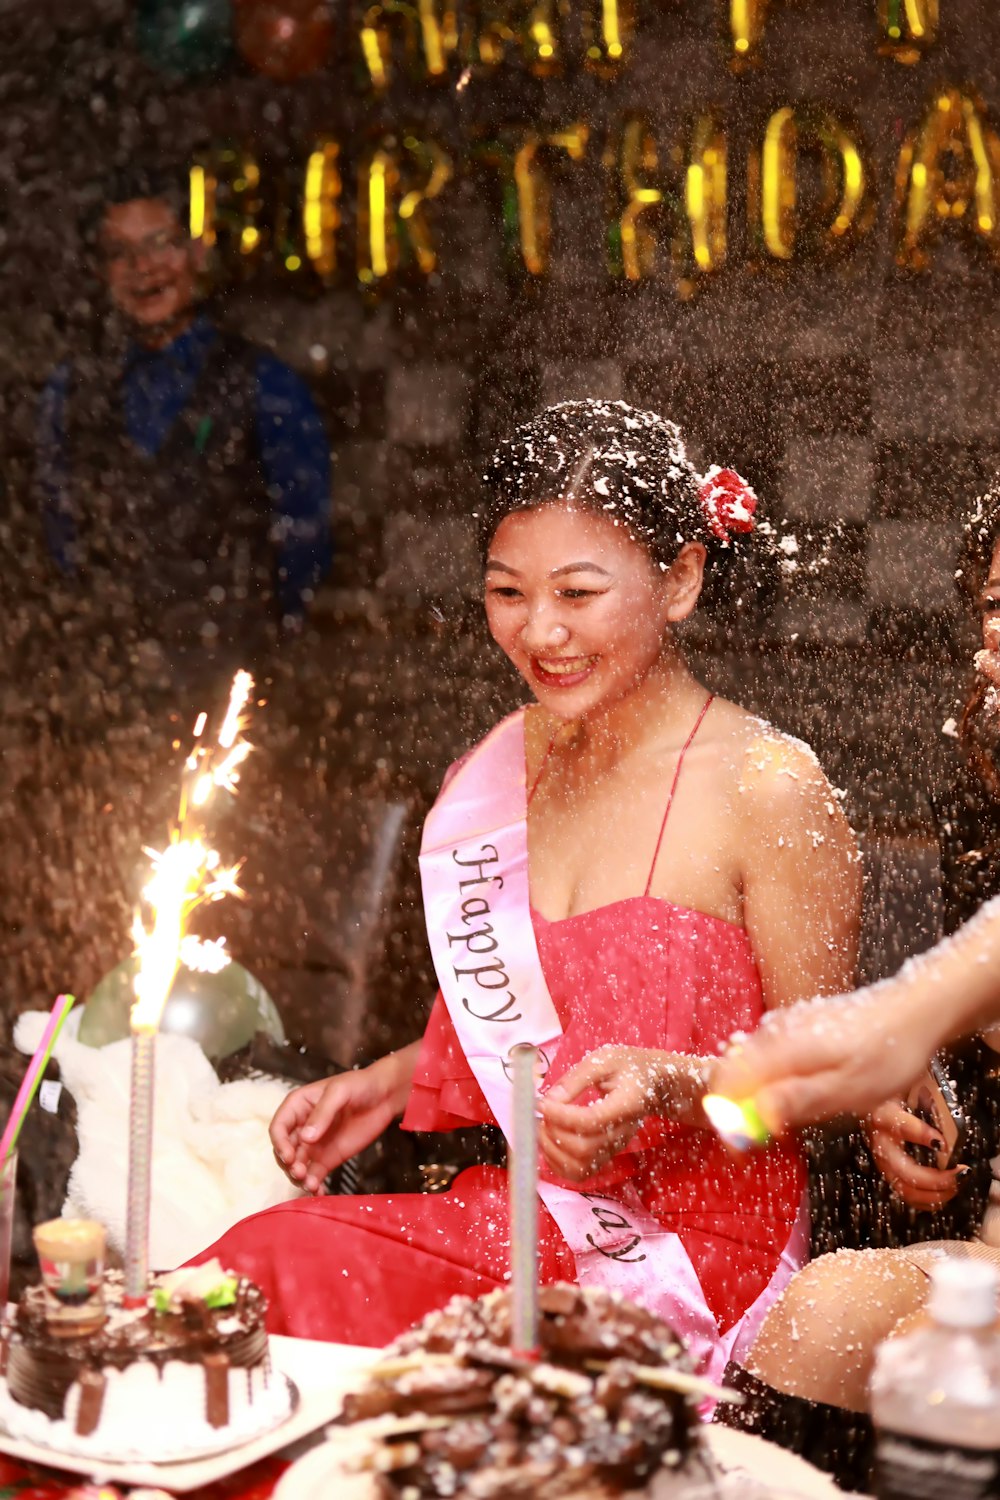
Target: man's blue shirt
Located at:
point(291, 443)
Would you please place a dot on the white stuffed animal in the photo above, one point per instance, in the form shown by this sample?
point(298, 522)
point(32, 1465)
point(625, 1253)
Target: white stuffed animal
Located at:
point(212, 1159)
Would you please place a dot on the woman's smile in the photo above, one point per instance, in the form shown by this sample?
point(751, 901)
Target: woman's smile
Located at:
point(563, 671)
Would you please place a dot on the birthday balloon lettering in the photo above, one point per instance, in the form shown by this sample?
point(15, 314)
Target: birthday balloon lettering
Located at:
point(947, 180)
point(907, 28)
point(397, 182)
point(607, 31)
point(424, 34)
point(522, 162)
point(745, 20)
point(226, 206)
point(632, 239)
point(699, 246)
point(838, 212)
point(810, 192)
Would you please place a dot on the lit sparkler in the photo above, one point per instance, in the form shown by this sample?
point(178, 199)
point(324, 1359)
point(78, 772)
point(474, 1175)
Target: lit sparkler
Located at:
point(185, 875)
point(736, 1121)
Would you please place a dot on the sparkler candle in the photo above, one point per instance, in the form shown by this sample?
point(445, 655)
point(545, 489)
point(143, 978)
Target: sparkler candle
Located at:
point(185, 875)
point(737, 1121)
point(523, 1187)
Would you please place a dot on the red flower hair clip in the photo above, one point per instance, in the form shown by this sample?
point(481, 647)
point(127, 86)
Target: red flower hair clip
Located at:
point(728, 503)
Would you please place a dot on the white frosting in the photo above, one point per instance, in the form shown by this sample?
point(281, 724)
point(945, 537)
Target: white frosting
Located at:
point(156, 1415)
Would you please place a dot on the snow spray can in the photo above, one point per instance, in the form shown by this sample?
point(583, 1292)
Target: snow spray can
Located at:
point(935, 1394)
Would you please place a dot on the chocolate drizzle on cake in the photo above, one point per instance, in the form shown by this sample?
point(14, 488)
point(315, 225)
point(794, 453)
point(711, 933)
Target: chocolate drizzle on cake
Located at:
point(42, 1366)
point(92, 1384)
point(217, 1389)
point(459, 1413)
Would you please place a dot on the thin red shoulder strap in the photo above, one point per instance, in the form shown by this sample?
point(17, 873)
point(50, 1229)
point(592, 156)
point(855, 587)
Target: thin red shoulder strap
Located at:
point(673, 786)
point(541, 769)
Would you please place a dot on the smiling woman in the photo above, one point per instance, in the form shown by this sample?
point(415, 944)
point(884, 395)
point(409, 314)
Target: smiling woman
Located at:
point(623, 873)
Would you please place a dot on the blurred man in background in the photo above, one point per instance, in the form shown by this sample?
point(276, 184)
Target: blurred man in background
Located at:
point(184, 479)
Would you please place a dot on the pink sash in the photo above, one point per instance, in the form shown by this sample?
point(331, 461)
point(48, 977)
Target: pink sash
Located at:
point(474, 869)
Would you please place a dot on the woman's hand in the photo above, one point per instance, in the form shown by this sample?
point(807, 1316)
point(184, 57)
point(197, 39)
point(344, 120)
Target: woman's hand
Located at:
point(888, 1128)
point(826, 1058)
point(578, 1140)
point(322, 1124)
point(843, 1056)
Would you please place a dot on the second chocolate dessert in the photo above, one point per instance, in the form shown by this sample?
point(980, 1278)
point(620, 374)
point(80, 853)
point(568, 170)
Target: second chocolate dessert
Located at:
point(462, 1414)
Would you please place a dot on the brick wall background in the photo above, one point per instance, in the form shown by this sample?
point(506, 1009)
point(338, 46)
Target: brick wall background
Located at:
point(852, 395)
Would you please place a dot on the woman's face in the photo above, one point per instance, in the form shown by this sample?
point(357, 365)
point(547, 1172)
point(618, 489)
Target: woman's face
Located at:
point(991, 603)
point(580, 607)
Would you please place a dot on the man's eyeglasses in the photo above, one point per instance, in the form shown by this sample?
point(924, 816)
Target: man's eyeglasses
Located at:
point(156, 246)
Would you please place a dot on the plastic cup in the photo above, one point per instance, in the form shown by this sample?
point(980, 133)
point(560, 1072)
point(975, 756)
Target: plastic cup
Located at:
point(8, 1179)
point(71, 1256)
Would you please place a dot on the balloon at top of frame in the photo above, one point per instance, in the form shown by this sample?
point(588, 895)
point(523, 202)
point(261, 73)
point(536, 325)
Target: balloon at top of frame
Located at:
point(183, 38)
point(284, 39)
point(220, 1011)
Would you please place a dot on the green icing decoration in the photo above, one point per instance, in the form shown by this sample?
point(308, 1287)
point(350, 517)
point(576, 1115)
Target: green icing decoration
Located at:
point(223, 1295)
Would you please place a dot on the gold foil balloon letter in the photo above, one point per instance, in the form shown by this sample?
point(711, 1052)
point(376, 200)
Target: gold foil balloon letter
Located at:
point(906, 28)
point(700, 245)
point(947, 177)
point(226, 206)
point(746, 21)
point(321, 209)
point(532, 26)
point(636, 198)
point(786, 222)
point(429, 33)
point(607, 31)
point(527, 192)
point(396, 182)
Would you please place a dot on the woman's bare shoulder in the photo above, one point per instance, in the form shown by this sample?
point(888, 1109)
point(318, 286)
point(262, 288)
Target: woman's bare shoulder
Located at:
point(771, 768)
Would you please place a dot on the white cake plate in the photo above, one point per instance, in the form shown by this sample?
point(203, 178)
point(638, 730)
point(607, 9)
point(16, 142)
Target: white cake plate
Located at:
point(744, 1467)
point(322, 1374)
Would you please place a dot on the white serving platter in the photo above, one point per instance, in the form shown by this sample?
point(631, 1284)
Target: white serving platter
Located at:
point(744, 1467)
point(322, 1374)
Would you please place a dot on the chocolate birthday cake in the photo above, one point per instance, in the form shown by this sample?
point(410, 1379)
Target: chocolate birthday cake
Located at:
point(453, 1411)
point(189, 1372)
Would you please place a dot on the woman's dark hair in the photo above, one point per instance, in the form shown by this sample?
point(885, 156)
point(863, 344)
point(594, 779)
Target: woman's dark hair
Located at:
point(977, 729)
point(613, 459)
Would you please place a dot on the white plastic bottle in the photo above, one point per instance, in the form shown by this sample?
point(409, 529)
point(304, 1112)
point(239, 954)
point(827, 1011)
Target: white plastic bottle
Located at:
point(936, 1394)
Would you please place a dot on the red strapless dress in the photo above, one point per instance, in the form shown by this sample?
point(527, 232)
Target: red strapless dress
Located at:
point(639, 973)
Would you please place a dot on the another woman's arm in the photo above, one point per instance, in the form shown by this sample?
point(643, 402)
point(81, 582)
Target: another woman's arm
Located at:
point(846, 1055)
point(322, 1124)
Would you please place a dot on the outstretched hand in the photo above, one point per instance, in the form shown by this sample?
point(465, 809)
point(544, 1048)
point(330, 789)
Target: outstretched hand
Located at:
point(577, 1140)
point(320, 1125)
point(825, 1058)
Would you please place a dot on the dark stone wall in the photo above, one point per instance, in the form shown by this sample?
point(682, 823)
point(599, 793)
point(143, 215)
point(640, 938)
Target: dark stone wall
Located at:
point(861, 402)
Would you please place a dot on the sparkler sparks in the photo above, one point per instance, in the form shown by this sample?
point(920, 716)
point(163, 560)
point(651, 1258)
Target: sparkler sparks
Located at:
point(188, 872)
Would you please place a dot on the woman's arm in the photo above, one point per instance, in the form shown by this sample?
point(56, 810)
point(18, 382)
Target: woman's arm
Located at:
point(802, 908)
point(322, 1124)
point(847, 1055)
point(801, 874)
